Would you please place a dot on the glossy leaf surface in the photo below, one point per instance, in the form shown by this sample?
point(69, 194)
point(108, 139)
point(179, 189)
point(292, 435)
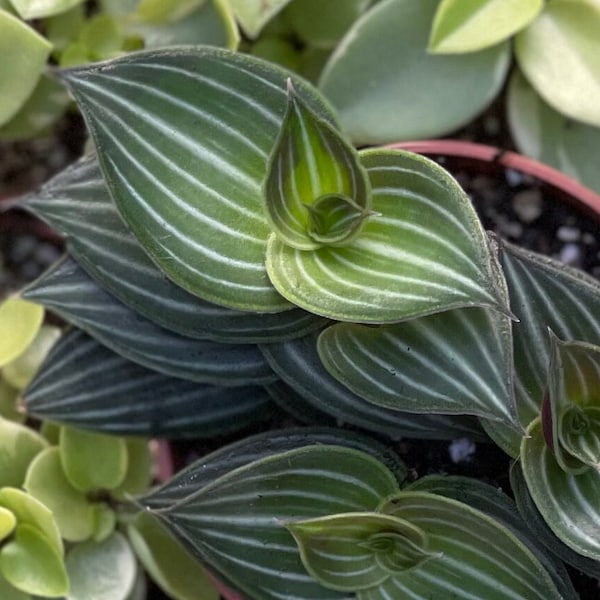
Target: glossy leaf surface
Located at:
point(544, 294)
point(30, 563)
point(394, 271)
point(457, 362)
point(550, 137)
point(469, 26)
point(382, 64)
point(113, 558)
point(19, 323)
point(469, 566)
point(316, 191)
point(185, 174)
point(560, 55)
point(79, 452)
point(566, 501)
point(249, 546)
point(298, 364)
point(47, 482)
point(170, 565)
point(500, 507)
point(77, 203)
point(85, 384)
point(71, 293)
point(24, 53)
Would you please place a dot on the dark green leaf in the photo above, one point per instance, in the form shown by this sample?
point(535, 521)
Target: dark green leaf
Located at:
point(85, 384)
point(186, 171)
point(298, 364)
point(77, 203)
point(68, 291)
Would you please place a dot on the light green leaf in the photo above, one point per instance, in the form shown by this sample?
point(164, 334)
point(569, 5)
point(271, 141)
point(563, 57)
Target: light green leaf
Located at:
point(101, 35)
point(47, 482)
point(544, 293)
point(79, 452)
point(108, 251)
point(298, 364)
point(105, 521)
point(31, 564)
point(572, 413)
point(567, 502)
point(500, 507)
point(322, 24)
point(160, 11)
point(456, 362)
point(194, 169)
point(559, 53)
point(86, 385)
point(235, 523)
point(24, 53)
point(540, 529)
point(387, 88)
point(478, 557)
point(471, 25)
point(8, 522)
point(112, 558)
point(72, 294)
point(63, 28)
point(20, 371)
point(18, 447)
point(9, 399)
point(9, 592)
point(32, 512)
point(170, 565)
point(550, 137)
point(316, 191)
point(139, 468)
point(424, 252)
point(358, 551)
point(253, 15)
point(43, 107)
point(37, 9)
point(211, 23)
point(19, 323)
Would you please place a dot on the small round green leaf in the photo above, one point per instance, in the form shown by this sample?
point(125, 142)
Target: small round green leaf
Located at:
point(139, 469)
point(559, 53)
point(471, 25)
point(24, 53)
point(253, 15)
point(10, 592)
point(92, 461)
point(21, 371)
point(32, 565)
point(47, 482)
point(32, 512)
point(20, 321)
point(9, 397)
point(105, 520)
point(8, 522)
point(18, 447)
point(112, 558)
point(161, 11)
point(170, 565)
point(387, 88)
point(37, 9)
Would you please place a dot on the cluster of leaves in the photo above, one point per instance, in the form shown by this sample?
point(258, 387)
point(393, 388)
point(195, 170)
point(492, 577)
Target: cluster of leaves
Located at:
point(65, 513)
point(229, 248)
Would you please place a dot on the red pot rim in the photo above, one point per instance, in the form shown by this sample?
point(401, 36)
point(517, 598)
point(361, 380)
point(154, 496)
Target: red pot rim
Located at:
point(570, 189)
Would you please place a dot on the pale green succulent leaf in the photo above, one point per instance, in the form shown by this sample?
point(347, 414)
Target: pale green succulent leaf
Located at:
point(19, 323)
point(568, 502)
point(253, 15)
point(467, 26)
point(316, 191)
point(387, 88)
point(37, 9)
point(559, 53)
point(8, 522)
point(159, 11)
point(423, 252)
point(186, 174)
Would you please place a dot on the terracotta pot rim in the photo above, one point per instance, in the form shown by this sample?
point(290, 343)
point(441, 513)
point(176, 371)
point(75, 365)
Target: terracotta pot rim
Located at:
point(582, 196)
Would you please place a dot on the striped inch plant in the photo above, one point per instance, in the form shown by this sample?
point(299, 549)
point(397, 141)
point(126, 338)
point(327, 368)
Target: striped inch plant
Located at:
point(228, 249)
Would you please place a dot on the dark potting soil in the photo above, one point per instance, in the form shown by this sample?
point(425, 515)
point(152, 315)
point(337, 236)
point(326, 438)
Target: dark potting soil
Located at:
point(514, 206)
